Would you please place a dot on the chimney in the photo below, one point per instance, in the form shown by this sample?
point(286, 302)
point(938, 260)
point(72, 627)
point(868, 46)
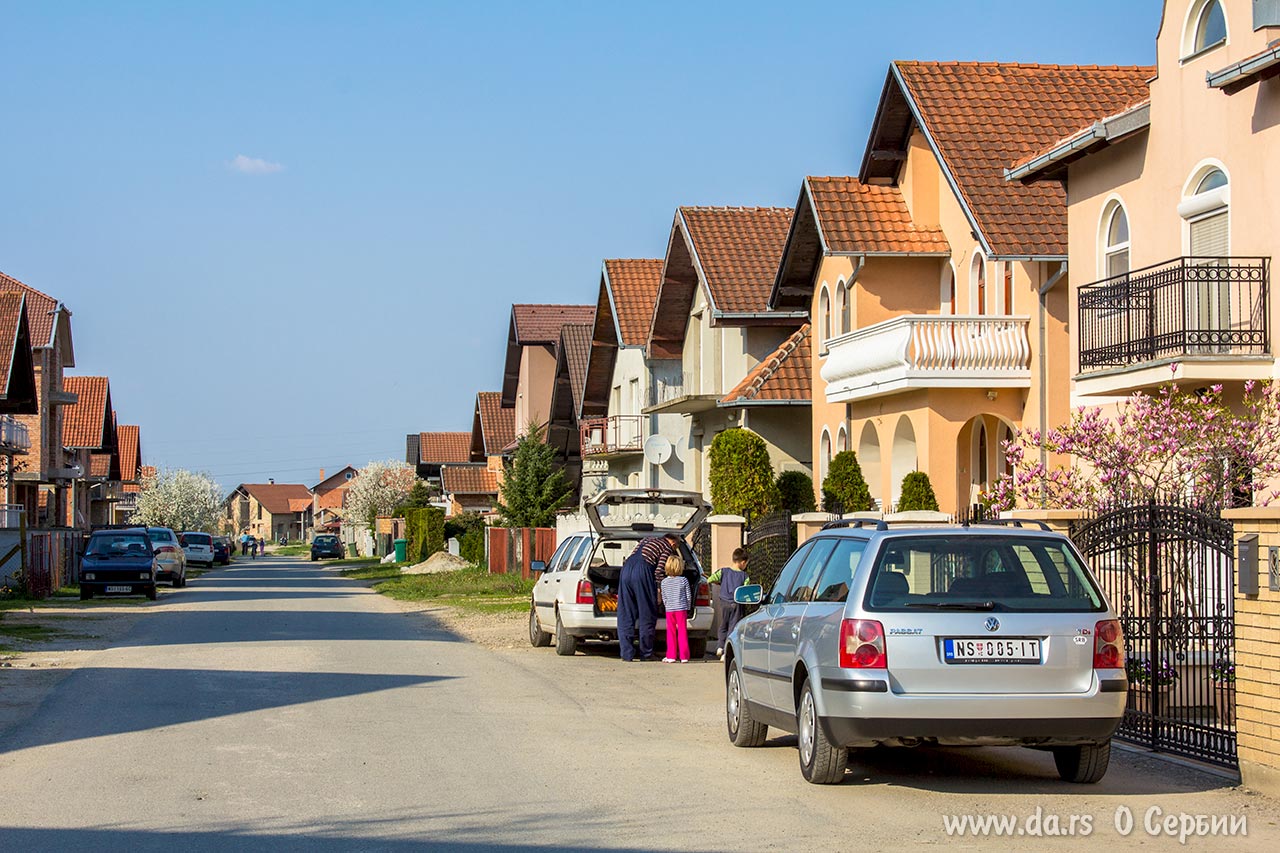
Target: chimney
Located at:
point(321, 480)
point(271, 480)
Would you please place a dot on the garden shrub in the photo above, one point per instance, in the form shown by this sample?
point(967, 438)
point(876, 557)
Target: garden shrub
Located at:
point(741, 475)
point(845, 489)
point(795, 492)
point(917, 493)
point(425, 531)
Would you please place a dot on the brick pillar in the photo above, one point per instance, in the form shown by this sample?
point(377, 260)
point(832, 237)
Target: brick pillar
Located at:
point(809, 523)
point(726, 535)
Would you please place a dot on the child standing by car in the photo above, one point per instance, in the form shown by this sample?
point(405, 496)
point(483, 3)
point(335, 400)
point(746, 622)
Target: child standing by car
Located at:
point(675, 598)
point(730, 578)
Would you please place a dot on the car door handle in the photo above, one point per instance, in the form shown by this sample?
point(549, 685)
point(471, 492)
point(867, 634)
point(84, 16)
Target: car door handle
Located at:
point(795, 631)
point(768, 630)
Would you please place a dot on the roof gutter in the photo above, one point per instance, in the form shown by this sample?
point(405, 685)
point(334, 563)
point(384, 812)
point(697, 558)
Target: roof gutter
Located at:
point(759, 315)
point(1105, 130)
point(1243, 70)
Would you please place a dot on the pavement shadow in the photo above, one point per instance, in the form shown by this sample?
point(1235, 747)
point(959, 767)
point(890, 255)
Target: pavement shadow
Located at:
point(194, 627)
point(175, 696)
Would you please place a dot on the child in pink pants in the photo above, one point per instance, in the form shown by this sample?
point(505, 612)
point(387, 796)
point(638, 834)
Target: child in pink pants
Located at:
point(675, 598)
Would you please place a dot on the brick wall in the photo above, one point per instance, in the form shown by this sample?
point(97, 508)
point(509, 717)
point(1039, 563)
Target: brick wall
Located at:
point(1258, 658)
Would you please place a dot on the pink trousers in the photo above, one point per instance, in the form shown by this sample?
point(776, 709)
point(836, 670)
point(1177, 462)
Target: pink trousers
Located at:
point(678, 633)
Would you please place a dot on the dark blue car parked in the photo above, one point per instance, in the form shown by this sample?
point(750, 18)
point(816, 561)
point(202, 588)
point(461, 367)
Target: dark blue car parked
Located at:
point(118, 562)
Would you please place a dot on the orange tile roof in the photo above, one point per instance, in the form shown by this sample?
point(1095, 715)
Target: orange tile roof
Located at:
point(468, 480)
point(84, 422)
point(437, 448)
point(870, 218)
point(335, 498)
point(129, 440)
point(1078, 133)
point(575, 344)
point(634, 284)
point(278, 498)
point(984, 116)
point(738, 249)
point(782, 377)
point(497, 425)
point(540, 324)
point(100, 465)
point(41, 308)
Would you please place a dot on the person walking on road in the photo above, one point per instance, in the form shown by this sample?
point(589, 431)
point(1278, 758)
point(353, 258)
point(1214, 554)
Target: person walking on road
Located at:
point(638, 594)
point(730, 578)
point(676, 599)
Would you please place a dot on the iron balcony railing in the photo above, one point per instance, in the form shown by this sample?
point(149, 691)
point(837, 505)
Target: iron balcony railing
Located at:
point(612, 434)
point(13, 434)
point(1184, 307)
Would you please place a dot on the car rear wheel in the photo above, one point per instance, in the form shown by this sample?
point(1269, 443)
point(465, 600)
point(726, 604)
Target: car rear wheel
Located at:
point(538, 638)
point(1083, 764)
point(566, 643)
point(744, 730)
point(820, 762)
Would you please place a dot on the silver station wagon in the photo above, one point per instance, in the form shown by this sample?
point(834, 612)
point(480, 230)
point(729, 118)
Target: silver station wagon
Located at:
point(982, 635)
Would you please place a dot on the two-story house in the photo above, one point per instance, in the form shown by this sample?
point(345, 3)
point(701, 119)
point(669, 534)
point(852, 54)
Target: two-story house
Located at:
point(270, 510)
point(427, 452)
point(530, 368)
point(129, 442)
point(1171, 204)
point(89, 439)
point(564, 417)
point(17, 392)
point(712, 327)
point(472, 486)
point(328, 497)
point(937, 288)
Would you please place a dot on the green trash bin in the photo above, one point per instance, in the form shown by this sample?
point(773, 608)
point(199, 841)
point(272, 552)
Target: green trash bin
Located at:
point(402, 550)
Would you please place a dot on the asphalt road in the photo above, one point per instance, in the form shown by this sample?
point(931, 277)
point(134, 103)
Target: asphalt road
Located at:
point(274, 705)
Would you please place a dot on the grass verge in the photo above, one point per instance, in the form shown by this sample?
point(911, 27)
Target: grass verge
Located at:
point(471, 589)
point(302, 549)
point(369, 571)
point(24, 634)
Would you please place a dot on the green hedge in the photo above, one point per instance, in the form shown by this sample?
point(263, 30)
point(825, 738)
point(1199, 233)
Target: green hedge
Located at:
point(917, 493)
point(795, 492)
point(741, 475)
point(471, 547)
point(425, 532)
point(845, 489)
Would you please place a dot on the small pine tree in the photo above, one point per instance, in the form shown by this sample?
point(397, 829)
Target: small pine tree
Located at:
point(795, 492)
point(845, 488)
point(917, 493)
point(533, 487)
point(419, 498)
point(741, 475)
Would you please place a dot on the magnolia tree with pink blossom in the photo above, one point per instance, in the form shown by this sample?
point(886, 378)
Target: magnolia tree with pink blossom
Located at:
point(1172, 445)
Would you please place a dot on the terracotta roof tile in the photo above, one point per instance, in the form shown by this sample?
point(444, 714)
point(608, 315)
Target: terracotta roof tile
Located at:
point(575, 341)
point(437, 448)
point(739, 249)
point(129, 440)
point(540, 324)
point(279, 498)
point(634, 284)
point(468, 480)
point(858, 217)
point(782, 376)
point(984, 116)
point(84, 422)
point(497, 425)
point(100, 465)
point(41, 308)
point(335, 498)
point(1078, 133)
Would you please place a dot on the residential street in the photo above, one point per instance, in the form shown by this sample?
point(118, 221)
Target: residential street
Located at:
point(275, 705)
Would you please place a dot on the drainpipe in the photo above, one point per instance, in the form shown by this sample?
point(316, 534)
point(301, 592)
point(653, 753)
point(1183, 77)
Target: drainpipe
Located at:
point(1044, 378)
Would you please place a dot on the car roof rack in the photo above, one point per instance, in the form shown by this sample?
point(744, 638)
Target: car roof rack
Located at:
point(855, 523)
point(1010, 522)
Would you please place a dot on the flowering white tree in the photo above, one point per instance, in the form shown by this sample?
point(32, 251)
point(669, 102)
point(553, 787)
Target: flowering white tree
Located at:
point(377, 489)
point(182, 500)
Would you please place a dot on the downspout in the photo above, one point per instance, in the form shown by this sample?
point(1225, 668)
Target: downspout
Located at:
point(1044, 380)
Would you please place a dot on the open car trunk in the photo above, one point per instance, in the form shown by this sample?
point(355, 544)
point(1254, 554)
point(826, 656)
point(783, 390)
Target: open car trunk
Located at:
point(604, 578)
point(636, 513)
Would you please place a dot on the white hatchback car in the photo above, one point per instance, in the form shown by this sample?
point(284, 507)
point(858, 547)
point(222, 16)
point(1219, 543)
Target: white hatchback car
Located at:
point(577, 596)
point(198, 548)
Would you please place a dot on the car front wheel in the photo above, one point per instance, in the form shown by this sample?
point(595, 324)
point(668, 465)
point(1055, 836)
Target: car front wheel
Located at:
point(820, 762)
point(744, 730)
point(1083, 764)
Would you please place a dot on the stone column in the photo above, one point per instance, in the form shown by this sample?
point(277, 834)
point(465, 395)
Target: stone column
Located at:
point(809, 523)
point(726, 535)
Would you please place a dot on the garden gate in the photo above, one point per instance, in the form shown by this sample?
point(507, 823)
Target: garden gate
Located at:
point(1168, 572)
point(701, 547)
point(768, 543)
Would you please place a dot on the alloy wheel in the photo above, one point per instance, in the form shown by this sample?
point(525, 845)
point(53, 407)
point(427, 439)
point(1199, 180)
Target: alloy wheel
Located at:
point(808, 726)
point(734, 702)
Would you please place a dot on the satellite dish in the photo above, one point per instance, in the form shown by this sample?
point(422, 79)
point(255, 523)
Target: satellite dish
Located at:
point(77, 471)
point(682, 448)
point(657, 450)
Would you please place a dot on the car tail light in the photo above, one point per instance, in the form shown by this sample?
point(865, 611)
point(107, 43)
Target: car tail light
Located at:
point(166, 549)
point(704, 595)
point(586, 592)
point(862, 644)
point(1108, 645)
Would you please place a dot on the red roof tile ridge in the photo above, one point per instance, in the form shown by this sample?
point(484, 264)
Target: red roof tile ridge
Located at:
point(1047, 66)
point(733, 207)
point(6, 278)
point(754, 381)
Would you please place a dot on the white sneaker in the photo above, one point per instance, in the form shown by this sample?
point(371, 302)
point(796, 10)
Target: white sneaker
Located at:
point(668, 660)
point(719, 653)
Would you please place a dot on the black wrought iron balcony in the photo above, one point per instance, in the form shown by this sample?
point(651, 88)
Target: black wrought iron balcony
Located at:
point(1186, 307)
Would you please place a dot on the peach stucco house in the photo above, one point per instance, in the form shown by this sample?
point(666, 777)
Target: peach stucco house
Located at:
point(530, 370)
point(1172, 204)
point(937, 288)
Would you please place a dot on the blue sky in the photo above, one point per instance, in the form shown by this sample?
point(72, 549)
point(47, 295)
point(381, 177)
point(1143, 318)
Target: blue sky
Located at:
point(291, 233)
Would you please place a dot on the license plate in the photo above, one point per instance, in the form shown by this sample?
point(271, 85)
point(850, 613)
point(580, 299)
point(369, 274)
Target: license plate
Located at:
point(119, 589)
point(982, 650)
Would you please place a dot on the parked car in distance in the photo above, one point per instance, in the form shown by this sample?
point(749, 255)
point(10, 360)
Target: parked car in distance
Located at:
point(171, 560)
point(975, 635)
point(198, 548)
point(326, 545)
point(118, 562)
point(222, 550)
point(576, 598)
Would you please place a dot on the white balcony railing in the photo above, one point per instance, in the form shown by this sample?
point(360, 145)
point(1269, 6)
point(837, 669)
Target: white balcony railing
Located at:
point(13, 434)
point(928, 351)
point(10, 516)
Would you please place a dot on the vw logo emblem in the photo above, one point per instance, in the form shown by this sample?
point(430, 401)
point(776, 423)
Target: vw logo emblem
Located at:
point(992, 623)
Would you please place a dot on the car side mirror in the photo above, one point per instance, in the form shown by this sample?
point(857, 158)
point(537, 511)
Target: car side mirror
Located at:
point(749, 594)
point(537, 566)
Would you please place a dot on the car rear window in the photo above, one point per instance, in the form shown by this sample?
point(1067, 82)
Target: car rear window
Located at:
point(326, 540)
point(160, 535)
point(117, 544)
point(197, 539)
point(968, 572)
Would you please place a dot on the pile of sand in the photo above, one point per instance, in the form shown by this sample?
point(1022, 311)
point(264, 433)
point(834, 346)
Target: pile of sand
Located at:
point(440, 561)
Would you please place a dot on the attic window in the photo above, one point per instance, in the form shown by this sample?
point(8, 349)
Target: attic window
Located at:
point(1205, 30)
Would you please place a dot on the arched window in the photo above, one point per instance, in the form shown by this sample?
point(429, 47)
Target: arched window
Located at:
point(824, 456)
point(1205, 209)
point(1115, 240)
point(844, 296)
point(978, 278)
point(824, 316)
point(842, 440)
point(1206, 28)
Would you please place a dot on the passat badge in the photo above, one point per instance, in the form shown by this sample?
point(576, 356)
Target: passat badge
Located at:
point(992, 624)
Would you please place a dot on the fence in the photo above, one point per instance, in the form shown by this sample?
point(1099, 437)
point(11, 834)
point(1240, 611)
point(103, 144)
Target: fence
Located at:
point(53, 560)
point(513, 550)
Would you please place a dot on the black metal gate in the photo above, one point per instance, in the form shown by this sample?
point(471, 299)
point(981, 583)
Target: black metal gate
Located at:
point(1168, 572)
point(769, 544)
point(701, 547)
